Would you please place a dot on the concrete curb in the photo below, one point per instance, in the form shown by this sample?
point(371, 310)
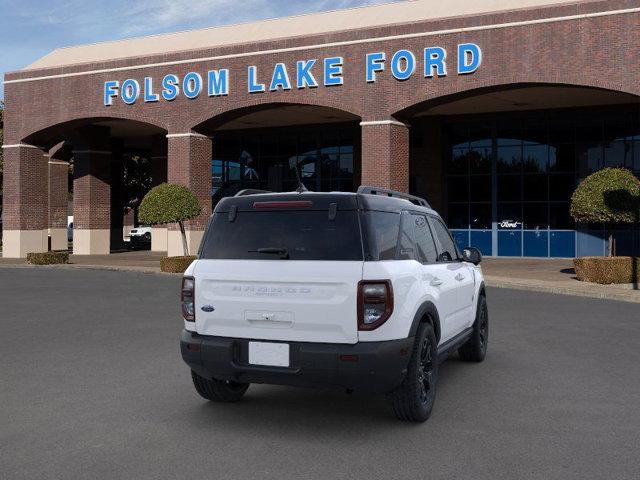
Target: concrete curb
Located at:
point(74, 266)
point(603, 292)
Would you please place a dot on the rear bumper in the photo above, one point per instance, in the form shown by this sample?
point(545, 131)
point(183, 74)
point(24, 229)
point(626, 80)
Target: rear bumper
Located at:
point(367, 366)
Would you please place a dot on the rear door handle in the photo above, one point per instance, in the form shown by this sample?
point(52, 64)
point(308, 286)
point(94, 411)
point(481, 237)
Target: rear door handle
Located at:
point(436, 282)
point(460, 277)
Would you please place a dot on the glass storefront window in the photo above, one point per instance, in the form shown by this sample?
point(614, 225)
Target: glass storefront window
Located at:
point(481, 188)
point(267, 159)
point(535, 158)
point(480, 218)
point(535, 216)
point(510, 159)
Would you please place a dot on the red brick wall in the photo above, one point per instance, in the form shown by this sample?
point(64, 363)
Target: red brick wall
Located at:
point(385, 156)
point(599, 52)
point(189, 164)
point(25, 189)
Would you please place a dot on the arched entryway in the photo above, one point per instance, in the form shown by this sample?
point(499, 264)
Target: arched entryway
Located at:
point(100, 166)
point(268, 147)
point(500, 164)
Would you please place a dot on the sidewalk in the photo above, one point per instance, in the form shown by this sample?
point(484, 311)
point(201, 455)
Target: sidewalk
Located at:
point(539, 275)
point(552, 276)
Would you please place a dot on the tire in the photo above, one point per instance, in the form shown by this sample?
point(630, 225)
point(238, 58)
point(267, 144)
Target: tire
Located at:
point(413, 400)
point(475, 349)
point(218, 390)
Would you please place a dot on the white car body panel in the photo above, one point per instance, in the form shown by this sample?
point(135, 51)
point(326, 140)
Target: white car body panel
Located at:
point(285, 300)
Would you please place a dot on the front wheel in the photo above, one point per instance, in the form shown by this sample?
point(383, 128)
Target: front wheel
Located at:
point(475, 349)
point(218, 390)
point(413, 400)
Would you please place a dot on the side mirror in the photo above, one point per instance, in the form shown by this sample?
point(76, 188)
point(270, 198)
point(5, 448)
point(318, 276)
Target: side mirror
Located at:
point(471, 255)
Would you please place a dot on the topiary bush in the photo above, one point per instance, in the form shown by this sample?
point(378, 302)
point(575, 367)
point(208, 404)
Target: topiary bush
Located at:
point(611, 195)
point(48, 258)
point(607, 270)
point(175, 264)
point(170, 203)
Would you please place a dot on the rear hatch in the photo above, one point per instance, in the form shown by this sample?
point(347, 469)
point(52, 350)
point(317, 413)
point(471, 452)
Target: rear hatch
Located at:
point(285, 269)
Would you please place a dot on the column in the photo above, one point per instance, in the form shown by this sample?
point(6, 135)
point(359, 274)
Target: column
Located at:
point(92, 192)
point(116, 240)
point(25, 209)
point(385, 154)
point(159, 175)
point(58, 192)
point(189, 164)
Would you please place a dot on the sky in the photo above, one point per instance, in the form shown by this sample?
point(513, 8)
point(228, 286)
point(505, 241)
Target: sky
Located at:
point(29, 29)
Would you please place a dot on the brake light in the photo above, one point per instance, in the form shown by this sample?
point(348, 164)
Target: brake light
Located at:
point(187, 299)
point(375, 303)
point(284, 204)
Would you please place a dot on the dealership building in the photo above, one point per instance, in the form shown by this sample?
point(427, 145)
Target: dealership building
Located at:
point(491, 109)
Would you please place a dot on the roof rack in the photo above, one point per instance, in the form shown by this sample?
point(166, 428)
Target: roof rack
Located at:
point(250, 191)
point(393, 193)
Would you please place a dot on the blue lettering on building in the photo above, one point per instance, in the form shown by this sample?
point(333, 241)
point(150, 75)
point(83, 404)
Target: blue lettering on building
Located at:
point(305, 73)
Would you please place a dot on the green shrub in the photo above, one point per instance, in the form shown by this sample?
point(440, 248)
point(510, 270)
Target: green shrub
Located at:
point(175, 264)
point(607, 270)
point(48, 258)
point(170, 203)
point(611, 195)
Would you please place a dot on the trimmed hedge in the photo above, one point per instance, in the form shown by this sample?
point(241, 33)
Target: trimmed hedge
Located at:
point(611, 195)
point(607, 270)
point(175, 264)
point(168, 203)
point(48, 258)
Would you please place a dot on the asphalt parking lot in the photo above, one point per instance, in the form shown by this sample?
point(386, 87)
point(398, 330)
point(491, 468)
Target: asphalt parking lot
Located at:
point(92, 386)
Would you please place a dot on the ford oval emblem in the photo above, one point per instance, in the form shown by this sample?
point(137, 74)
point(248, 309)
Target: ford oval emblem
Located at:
point(207, 308)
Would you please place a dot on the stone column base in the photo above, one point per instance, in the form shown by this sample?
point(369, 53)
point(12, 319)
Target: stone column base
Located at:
point(58, 238)
point(159, 239)
point(91, 242)
point(174, 242)
point(17, 243)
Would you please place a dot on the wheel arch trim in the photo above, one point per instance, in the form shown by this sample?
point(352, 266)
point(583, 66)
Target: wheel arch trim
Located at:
point(430, 310)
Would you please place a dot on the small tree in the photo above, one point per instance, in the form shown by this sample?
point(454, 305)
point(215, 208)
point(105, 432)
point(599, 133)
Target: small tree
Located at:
point(169, 203)
point(611, 195)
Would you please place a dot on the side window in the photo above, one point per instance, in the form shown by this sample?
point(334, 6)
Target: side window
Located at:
point(448, 251)
point(382, 234)
point(425, 246)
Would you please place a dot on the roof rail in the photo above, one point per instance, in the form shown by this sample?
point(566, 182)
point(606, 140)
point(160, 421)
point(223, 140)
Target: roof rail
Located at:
point(250, 191)
point(392, 193)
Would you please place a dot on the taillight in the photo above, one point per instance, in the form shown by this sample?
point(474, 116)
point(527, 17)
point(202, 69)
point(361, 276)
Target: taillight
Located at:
point(187, 298)
point(375, 303)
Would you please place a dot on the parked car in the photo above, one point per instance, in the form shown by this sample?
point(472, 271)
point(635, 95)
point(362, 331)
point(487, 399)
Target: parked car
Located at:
point(359, 291)
point(140, 238)
point(69, 228)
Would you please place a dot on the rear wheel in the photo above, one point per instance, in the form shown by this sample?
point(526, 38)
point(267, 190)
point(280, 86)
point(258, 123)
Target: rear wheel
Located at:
point(413, 400)
point(475, 349)
point(218, 390)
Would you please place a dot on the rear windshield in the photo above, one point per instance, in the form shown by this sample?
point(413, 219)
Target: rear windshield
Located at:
point(274, 235)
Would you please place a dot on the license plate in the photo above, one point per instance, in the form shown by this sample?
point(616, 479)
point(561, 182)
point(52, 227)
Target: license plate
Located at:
point(269, 354)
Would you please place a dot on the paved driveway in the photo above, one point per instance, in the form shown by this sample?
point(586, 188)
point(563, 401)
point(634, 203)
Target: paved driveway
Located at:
point(92, 387)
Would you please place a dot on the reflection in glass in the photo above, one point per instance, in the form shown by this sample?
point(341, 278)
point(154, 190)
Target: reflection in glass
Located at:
point(510, 159)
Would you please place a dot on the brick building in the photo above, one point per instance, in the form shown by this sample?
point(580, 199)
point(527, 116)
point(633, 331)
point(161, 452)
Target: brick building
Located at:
point(492, 109)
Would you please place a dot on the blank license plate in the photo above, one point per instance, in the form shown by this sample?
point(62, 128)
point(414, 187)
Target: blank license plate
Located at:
point(271, 354)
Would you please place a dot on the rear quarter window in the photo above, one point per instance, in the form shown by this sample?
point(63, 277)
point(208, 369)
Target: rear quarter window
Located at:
point(382, 234)
point(305, 235)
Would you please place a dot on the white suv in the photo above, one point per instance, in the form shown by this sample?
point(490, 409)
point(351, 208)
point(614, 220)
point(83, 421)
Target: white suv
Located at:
point(358, 291)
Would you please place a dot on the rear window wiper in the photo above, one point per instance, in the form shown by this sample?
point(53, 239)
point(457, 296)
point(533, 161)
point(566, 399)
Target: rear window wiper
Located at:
point(284, 254)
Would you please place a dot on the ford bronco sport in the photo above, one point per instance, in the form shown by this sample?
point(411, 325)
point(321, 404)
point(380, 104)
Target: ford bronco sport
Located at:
point(359, 291)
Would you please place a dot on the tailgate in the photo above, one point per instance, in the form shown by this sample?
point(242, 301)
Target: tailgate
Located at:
point(287, 300)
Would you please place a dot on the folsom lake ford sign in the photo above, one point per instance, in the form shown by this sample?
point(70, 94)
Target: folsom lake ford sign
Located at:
point(309, 73)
